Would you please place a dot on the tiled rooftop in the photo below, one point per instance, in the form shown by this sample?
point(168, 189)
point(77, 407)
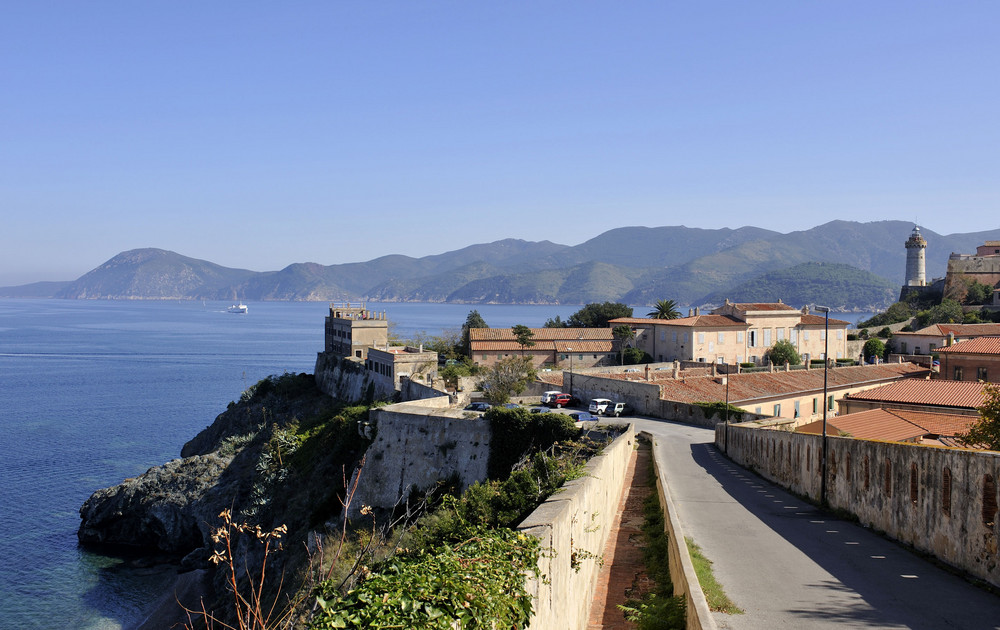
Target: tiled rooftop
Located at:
point(923, 392)
point(979, 345)
point(701, 321)
point(763, 306)
point(820, 320)
point(959, 330)
point(541, 334)
point(762, 385)
point(894, 425)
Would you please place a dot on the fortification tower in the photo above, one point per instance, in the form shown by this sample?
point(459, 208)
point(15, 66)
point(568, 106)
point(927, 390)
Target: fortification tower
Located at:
point(916, 250)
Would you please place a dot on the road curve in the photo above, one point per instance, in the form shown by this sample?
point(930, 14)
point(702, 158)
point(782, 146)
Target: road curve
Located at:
point(789, 565)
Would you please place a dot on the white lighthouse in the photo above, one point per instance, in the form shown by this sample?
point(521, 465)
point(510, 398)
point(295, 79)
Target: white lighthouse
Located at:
point(916, 248)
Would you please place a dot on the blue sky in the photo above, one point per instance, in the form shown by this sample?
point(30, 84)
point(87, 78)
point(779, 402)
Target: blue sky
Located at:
point(258, 134)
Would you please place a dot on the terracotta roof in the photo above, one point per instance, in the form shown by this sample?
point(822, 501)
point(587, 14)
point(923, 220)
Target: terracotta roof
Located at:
point(959, 330)
point(894, 424)
point(922, 392)
point(510, 346)
point(820, 320)
point(763, 306)
point(541, 334)
point(698, 321)
point(583, 346)
point(874, 424)
point(979, 345)
point(745, 388)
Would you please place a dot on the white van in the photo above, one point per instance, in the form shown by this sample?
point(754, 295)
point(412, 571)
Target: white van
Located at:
point(599, 406)
point(547, 397)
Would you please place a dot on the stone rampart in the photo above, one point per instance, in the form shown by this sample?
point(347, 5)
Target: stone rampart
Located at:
point(348, 380)
point(415, 446)
point(942, 501)
point(573, 526)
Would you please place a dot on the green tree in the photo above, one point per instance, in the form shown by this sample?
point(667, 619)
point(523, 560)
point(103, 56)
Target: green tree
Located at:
point(554, 322)
point(664, 309)
point(947, 312)
point(524, 335)
point(624, 334)
point(985, 432)
point(505, 378)
point(873, 348)
point(635, 356)
point(474, 320)
point(598, 315)
point(978, 293)
point(784, 352)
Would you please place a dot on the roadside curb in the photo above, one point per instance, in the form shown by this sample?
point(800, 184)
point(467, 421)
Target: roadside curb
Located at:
point(681, 568)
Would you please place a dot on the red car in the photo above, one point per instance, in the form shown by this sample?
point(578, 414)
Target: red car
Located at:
point(562, 400)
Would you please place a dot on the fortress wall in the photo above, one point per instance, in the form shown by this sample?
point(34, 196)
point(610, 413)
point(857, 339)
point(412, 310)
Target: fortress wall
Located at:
point(573, 526)
point(939, 500)
point(349, 381)
point(415, 446)
point(984, 269)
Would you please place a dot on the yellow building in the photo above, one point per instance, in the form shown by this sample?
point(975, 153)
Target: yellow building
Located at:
point(738, 333)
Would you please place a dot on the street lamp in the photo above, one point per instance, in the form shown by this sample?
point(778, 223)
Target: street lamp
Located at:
point(726, 446)
point(826, 373)
point(570, 352)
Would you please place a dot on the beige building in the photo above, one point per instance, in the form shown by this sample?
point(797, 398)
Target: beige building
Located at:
point(563, 348)
point(351, 329)
point(936, 336)
point(738, 333)
point(939, 396)
point(393, 362)
point(795, 394)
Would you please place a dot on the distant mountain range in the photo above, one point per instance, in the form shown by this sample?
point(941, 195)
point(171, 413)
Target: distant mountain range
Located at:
point(862, 268)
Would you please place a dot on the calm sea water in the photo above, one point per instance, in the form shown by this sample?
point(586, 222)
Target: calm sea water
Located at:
point(96, 391)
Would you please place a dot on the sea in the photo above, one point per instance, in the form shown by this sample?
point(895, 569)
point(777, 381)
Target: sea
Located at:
point(93, 392)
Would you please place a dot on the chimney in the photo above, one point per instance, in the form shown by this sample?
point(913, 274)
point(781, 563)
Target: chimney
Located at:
point(697, 311)
point(788, 368)
point(715, 371)
point(677, 369)
point(690, 312)
point(951, 339)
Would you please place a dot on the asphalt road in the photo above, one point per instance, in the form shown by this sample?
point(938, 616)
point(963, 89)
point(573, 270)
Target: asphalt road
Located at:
point(789, 565)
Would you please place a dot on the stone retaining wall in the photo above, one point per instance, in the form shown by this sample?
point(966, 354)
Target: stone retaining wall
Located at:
point(573, 526)
point(942, 501)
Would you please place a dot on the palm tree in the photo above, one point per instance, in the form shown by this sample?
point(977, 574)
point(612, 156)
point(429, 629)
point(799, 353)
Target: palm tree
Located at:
point(664, 309)
point(623, 333)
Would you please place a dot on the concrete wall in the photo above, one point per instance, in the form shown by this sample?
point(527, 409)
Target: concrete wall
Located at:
point(573, 525)
point(941, 501)
point(416, 445)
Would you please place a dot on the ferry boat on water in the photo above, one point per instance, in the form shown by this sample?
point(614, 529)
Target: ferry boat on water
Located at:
point(238, 308)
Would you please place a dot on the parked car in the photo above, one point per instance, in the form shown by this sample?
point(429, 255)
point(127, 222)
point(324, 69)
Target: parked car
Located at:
point(548, 396)
point(583, 416)
point(539, 410)
point(478, 406)
point(562, 400)
point(511, 406)
point(618, 409)
point(599, 406)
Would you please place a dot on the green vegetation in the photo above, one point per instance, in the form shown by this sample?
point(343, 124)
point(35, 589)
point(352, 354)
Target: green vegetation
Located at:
point(718, 410)
point(664, 309)
point(782, 352)
point(624, 334)
point(517, 431)
point(718, 601)
point(947, 312)
point(635, 356)
point(597, 315)
point(474, 320)
point(985, 432)
point(978, 293)
point(873, 348)
point(525, 337)
point(659, 609)
point(505, 378)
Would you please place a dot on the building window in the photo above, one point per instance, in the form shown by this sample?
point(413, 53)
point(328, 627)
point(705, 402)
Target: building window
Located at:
point(981, 374)
point(752, 338)
point(822, 335)
point(805, 335)
point(701, 337)
point(739, 358)
point(796, 409)
point(781, 334)
point(757, 411)
point(815, 405)
point(840, 334)
point(722, 337)
point(958, 373)
point(767, 336)
point(777, 410)
point(930, 348)
point(829, 403)
point(793, 335)
point(902, 347)
point(739, 336)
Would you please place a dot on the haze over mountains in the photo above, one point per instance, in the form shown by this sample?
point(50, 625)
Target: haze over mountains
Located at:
point(862, 268)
